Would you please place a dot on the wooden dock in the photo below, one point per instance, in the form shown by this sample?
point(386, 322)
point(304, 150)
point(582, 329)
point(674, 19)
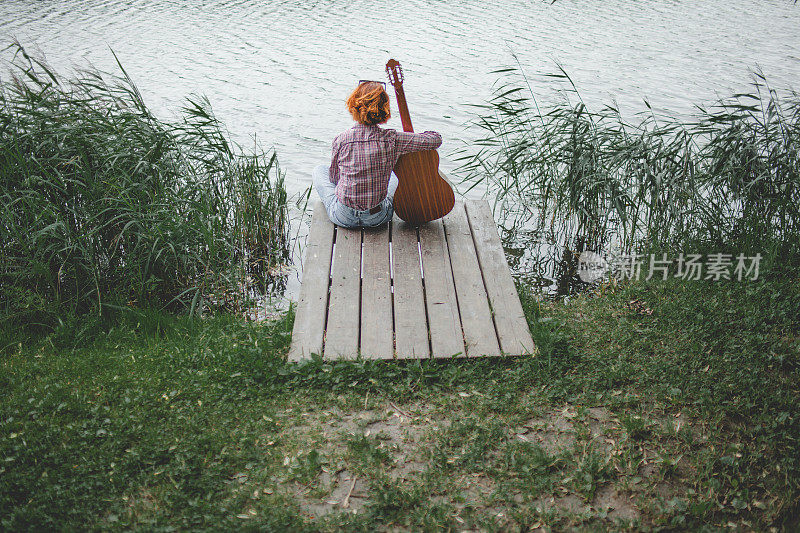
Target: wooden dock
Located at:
point(401, 292)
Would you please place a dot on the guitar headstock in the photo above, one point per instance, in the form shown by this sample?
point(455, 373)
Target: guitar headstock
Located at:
point(395, 73)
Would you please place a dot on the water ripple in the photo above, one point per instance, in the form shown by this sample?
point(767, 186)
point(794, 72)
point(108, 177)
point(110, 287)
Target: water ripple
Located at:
point(281, 69)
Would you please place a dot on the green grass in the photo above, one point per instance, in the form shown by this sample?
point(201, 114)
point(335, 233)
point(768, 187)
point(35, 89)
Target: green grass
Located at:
point(163, 414)
point(686, 417)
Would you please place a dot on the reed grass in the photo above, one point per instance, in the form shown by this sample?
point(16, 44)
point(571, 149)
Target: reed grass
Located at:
point(726, 178)
point(103, 204)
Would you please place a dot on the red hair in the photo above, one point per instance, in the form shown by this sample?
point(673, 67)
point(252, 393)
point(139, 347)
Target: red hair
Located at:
point(369, 104)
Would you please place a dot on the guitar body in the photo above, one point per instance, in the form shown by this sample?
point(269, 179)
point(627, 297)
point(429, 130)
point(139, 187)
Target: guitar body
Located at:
point(423, 193)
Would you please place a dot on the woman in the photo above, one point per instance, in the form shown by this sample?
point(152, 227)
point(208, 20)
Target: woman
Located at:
point(358, 186)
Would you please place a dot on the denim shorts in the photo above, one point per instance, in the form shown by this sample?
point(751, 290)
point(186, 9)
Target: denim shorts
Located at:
point(345, 216)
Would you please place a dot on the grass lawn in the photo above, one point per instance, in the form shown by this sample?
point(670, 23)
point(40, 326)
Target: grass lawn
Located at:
point(656, 405)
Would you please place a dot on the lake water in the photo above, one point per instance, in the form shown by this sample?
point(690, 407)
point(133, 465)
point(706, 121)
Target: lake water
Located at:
point(280, 70)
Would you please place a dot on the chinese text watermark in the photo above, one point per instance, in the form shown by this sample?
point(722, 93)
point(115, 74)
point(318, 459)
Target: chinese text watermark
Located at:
point(717, 266)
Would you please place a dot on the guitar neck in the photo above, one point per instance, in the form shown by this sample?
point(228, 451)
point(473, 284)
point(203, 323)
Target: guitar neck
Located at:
point(402, 106)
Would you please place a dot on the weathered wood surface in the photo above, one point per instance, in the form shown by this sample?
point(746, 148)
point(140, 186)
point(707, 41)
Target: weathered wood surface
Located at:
point(440, 290)
point(309, 320)
point(509, 319)
point(476, 317)
point(410, 332)
point(440, 293)
point(341, 334)
point(377, 330)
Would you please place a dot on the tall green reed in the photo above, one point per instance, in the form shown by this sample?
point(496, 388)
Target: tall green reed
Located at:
point(102, 204)
point(728, 178)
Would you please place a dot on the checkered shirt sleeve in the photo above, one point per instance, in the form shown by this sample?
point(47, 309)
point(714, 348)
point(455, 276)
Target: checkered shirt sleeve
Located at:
point(363, 157)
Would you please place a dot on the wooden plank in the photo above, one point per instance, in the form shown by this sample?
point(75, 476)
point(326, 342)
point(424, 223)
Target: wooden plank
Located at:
point(476, 317)
point(440, 294)
point(309, 320)
point(376, 296)
point(341, 335)
point(411, 328)
point(512, 328)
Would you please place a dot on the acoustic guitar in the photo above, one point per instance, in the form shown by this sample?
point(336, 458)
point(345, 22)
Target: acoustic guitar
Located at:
point(423, 193)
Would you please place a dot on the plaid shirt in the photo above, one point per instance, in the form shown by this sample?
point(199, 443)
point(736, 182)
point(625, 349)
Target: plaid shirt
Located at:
point(363, 158)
